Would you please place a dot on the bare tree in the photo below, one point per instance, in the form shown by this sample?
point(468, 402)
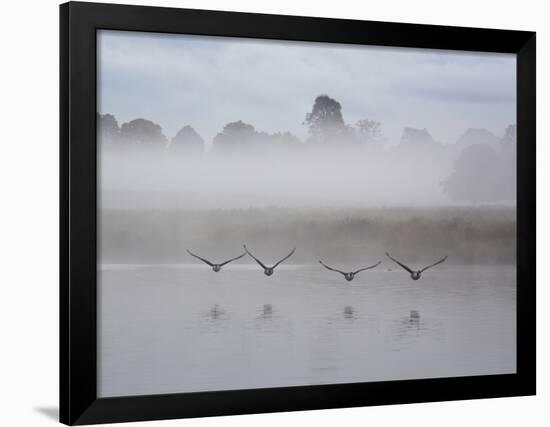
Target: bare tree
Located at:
point(370, 131)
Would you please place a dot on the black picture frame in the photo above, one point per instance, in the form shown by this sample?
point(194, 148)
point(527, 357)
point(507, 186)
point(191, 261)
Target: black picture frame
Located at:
point(79, 22)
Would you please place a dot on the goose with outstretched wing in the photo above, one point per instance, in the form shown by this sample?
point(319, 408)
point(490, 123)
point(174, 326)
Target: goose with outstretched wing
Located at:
point(216, 266)
point(415, 274)
point(351, 274)
point(268, 271)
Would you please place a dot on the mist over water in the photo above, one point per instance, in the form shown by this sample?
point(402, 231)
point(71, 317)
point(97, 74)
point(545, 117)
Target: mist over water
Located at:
point(330, 177)
point(345, 205)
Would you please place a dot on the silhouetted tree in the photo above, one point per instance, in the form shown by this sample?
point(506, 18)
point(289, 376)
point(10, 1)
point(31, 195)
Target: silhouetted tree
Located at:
point(286, 139)
point(108, 131)
point(235, 135)
point(279, 141)
point(474, 136)
point(510, 136)
point(369, 131)
point(143, 132)
point(479, 176)
point(418, 139)
point(187, 139)
point(508, 152)
point(325, 121)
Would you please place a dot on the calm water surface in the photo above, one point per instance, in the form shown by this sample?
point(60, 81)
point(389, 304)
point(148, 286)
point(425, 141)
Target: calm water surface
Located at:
point(182, 328)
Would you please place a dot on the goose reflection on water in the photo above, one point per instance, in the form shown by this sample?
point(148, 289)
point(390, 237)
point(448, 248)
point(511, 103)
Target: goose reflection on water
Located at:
point(216, 312)
point(414, 319)
point(410, 326)
point(349, 312)
point(267, 311)
point(214, 320)
point(269, 322)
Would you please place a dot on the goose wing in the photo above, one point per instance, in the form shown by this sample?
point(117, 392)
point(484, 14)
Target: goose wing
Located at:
point(434, 264)
point(330, 268)
point(400, 263)
point(285, 258)
point(202, 259)
point(367, 268)
point(232, 259)
point(254, 258)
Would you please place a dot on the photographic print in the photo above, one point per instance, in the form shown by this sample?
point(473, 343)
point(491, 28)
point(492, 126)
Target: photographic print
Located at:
point(279, 213)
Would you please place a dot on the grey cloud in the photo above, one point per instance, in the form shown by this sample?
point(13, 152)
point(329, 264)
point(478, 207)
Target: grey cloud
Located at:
point(452, 95)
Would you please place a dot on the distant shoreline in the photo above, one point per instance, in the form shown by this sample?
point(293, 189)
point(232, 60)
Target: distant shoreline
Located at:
point(475, 235)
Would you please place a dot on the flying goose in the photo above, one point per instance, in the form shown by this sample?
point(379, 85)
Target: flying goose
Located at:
point(215, 267)
point(350, 275)
point(415, 275)
point(268, 271)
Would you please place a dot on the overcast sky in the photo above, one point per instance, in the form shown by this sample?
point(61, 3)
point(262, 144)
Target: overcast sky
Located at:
point(206, 82)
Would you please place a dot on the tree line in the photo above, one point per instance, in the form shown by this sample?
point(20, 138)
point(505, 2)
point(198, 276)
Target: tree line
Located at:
point(483, 168)
point(325, 123)
point(487, 235)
